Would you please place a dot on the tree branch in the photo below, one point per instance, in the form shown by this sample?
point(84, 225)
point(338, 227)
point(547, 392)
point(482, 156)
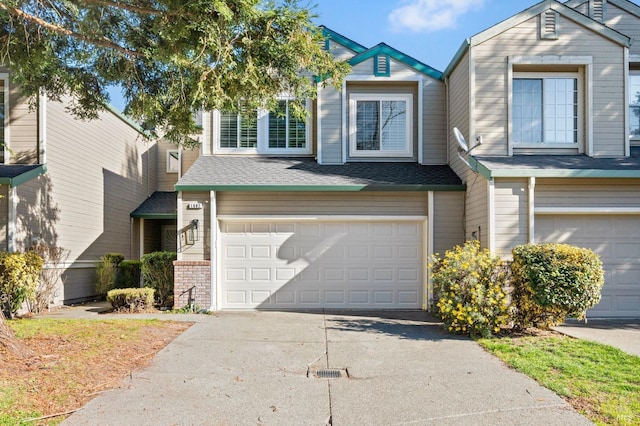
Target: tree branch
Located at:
point(102, 41)
point(135, 9)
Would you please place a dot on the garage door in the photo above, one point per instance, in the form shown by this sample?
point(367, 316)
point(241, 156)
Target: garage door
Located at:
point(616, 238)
point(316, 264)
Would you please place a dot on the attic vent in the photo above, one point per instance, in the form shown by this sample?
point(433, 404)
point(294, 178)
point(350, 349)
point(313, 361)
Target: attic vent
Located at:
point(381, 66)
point(549, 25)
point(597, 9)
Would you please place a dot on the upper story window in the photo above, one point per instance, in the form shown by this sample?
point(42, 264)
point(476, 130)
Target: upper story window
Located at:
point(380, 125)
point(634, 105)
point(173, 161)
point(261, 132)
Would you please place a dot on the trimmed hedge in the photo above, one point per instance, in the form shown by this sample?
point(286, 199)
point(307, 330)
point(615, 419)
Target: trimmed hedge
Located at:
point(157, 273)
point(19, 277)
point(129, 274)
point(131, 299)
point(107, 272)
point(554, 281)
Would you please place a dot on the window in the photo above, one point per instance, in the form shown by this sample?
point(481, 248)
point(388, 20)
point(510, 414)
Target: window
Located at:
point(634, 105)
point(285, 130)
point(238, 131)
point(173, 161)
point(380, 125)
point(545, 109)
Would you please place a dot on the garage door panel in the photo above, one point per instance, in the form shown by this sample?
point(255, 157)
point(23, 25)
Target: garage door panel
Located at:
point(616, 239)
point(324, 264)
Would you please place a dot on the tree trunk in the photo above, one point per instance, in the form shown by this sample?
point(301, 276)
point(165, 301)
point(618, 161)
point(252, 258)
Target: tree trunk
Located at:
point(8, 342)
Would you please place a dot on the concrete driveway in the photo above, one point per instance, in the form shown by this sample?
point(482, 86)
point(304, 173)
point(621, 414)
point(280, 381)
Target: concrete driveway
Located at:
point(259, 368)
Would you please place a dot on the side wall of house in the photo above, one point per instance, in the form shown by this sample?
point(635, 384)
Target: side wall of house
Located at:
point(448, 220)
point(625, 23)
point(492, 82)
point(97, 173)
point(23, 129)
point(511, 214)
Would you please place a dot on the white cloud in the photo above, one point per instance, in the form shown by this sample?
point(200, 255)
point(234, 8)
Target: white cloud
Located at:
point(429, 15)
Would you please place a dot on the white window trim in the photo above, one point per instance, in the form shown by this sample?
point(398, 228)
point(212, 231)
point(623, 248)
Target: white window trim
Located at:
point(169, 170)
point(7, 153)
point(354, 98)
point(585, 103)
point(216, 137)
point(263, 142)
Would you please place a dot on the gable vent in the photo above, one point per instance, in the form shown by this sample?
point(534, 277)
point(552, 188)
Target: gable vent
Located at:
point(597, 9)
point(381, 66)
point(549, 25)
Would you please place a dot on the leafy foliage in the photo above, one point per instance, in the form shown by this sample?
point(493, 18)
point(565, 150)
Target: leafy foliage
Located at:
point(19, 275)
point(553, 281)
point(157, 273)
point(129, 274)
point(131, 299)
point(469, 283)
point(170, 57)
point(107, 272)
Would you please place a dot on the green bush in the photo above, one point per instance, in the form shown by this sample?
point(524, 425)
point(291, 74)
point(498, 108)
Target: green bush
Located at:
point(157, 273)
point(115, 258)
point(129, 274)
point(469, 284)
point(19, 277)
point(552, 282)
point(131, 299)
point(107, 272)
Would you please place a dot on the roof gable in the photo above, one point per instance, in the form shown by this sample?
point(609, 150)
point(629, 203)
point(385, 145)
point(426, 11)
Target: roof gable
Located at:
point(384, 49)
point(329, 34)
point(532, 12)
point(626, 5)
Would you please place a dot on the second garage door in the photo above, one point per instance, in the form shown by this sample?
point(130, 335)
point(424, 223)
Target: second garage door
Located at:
point(616, 239)
point(321, 264)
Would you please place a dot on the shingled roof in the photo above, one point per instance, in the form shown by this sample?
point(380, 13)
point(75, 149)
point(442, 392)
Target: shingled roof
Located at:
point(230, 173)
point(160, 205)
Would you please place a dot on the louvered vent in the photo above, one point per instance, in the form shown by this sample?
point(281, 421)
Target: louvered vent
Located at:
point(381, 66)
point(597, 9)
point(549, 24)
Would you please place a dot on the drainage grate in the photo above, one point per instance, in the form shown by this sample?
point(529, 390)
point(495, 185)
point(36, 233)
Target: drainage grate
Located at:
point(330, 373)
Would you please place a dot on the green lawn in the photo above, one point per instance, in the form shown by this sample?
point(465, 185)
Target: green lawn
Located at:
point(600, 381)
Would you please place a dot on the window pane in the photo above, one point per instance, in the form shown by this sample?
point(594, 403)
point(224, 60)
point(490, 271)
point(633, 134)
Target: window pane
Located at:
point(228, 130)
point(394, 129)
point(278, 126)
point(527, 110)
point(560, 110)
point(297, 132)
point(634, 105)
point(368, 125)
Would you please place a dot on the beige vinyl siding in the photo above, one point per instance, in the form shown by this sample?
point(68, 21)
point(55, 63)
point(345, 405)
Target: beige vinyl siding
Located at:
point(4, 216)
point(448, 220)
point(167, 181)
point(459, 110)
point(511, 214)
point(23, 129)
point(434, 122)
point(96, 175)
point(398, 70)
point(78, 280)
point(340, 52)
point(322, 203)
point(587, 193)
point(477, 210)
point(330, 113)
point(491, 82)
point(200, 249)
point(625, 23)
point(388, 88)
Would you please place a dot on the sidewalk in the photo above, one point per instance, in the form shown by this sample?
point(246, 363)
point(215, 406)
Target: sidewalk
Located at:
point(622, 334)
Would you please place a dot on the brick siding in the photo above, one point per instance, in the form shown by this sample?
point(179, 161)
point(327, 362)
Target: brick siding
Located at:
point(192, 283)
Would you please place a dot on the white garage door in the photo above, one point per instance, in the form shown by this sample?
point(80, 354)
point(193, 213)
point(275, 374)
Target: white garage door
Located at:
point(316, 264)
point(616, 238)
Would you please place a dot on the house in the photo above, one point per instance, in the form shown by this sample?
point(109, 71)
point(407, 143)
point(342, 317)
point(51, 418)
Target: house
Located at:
point(552, 92)
point(70, 183)
point(343, 210)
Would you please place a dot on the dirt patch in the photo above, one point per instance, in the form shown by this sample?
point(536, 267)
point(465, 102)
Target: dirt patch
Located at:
point(69, 368)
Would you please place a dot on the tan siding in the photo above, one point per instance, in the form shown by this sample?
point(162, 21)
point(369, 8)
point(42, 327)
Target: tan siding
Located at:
point(322, 203)
point(339, 51)
point(458, 87)
point(587, 193)
point(434, 122)
point(511, 215)
point(448, 220)
point(625, 23)
point(200, 249)
point(97, 174)
point(477, 210)
point(79, 282)
point(23, 129)
point(4, 216)
point(491, 62)
point(330, 110)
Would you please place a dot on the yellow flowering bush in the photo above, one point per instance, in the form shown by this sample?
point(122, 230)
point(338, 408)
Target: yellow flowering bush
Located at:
point(554, 281)
point(469, 283)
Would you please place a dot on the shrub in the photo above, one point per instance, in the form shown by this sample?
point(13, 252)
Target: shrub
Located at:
point(131, 299)
point(128, 274)
point(157, 273)
point(554, 281)
point(19, 275)
point(469, 284)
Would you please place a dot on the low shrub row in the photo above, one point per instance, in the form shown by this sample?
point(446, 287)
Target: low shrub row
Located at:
point(478, 293)
point(131, 299)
